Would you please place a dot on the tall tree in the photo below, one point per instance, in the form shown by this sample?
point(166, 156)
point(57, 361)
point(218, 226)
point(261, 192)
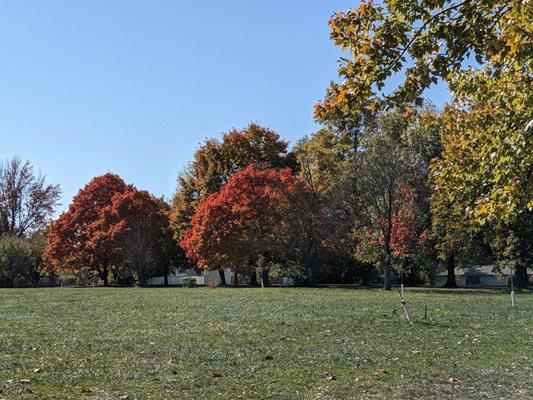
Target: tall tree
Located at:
point(247, 219)
point(482, 183)
point(323, 159)
point(138, 226)
point(216, 161)
point(26, 200)
point(36, 267)
point(76, 239)
point(14, 258)
point(388, 169)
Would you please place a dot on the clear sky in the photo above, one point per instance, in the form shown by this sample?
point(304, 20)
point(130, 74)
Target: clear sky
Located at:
point(133, 87)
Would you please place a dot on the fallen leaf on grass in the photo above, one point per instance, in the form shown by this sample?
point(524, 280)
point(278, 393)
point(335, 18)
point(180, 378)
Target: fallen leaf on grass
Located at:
point(86, 390)
point(453, 380)
point(37, 370)
point(269, 356)
point(125, 397)
point(216, 374)
point(331, 377)
point(383, 372)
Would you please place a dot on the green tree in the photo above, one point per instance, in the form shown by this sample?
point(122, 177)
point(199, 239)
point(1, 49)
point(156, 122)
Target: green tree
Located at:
point(390, 220)
point(426, 41)
point(482, 184)
point(482, 50)
point(14, 257)
point(36, 267)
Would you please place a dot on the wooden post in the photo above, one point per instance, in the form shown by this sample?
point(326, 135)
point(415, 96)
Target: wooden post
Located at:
point(426, 312)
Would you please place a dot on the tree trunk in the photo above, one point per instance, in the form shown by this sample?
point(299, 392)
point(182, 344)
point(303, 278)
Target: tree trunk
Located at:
point(387, 277)
point(264, 277)
point(143, 282)
point(521, 281)
point(222, 276)
point(105, 277)
point(165, 276)
point(311, 278)
point(235, 278)
point(253, 278)
point(310, 268)
point(450, 267)
point(35, 278)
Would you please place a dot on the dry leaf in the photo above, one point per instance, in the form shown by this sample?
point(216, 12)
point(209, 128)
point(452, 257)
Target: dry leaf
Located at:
point(86, 390)
point(37, 370)
point(216, 374)
point(331, 377)
point(383, 372)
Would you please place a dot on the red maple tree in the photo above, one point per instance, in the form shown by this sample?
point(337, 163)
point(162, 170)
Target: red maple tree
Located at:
point(76, 240)
point(246, 219)
point(398, 236)
point(138, 226)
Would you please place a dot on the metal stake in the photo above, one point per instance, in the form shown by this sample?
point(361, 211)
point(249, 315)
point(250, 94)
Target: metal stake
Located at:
point(407, 312)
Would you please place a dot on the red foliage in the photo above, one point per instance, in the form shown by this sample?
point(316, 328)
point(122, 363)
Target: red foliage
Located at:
point(400, 235)
point(139, 229)
point(76, 239)
point(108, 224)
point(405, 235)
point(244, 219)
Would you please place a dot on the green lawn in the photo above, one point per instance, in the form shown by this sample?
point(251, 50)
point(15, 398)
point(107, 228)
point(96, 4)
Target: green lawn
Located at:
point(106, 343)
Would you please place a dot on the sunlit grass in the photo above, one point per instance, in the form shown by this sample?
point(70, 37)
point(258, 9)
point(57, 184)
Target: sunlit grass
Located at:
point(278, 343)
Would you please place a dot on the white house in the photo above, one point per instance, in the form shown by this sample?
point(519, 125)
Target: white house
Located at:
point(476, 276)
point(177, 278)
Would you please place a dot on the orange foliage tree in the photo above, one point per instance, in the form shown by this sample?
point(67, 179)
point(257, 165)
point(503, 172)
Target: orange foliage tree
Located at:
point(248, 218)
point(75, 239)
point(138, 225)
point(111, 227)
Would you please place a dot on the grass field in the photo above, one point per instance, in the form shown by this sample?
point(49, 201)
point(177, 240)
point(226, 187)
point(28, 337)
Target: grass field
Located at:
point(102, 343)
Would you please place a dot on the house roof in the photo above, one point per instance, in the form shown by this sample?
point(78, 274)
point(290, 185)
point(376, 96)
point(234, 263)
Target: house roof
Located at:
point(478, 270)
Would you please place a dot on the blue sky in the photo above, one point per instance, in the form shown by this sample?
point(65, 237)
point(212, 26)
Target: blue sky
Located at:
point(133, 87)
